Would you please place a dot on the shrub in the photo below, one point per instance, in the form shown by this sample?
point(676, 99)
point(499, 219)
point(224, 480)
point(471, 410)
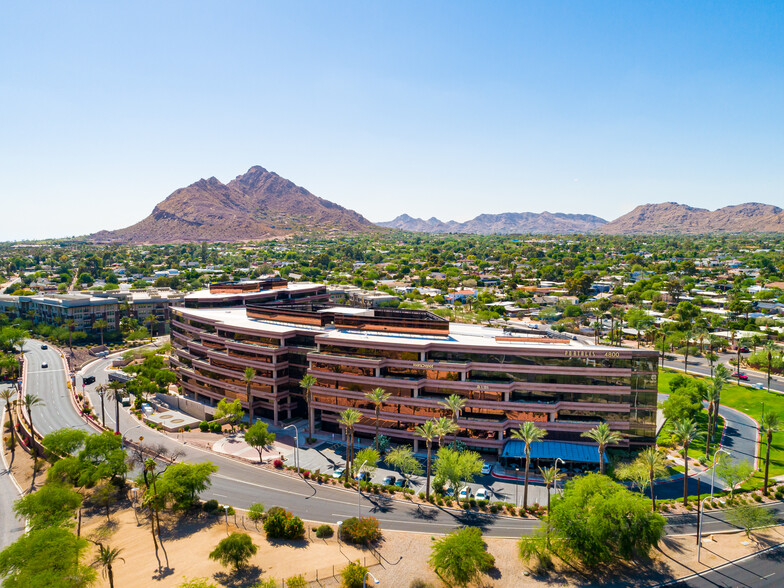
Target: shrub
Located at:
point(472, 502)
point(281, 524)
point(362, 531)
point(215, 427)
point(278, 464)
point(296, 582)
point(494, 508)
point(211, 506)
point(420, 583)
point(354, 575)
point(186, 428)
point(324, 531)
point(757, 497)
point(256, 512)
point(235, 550)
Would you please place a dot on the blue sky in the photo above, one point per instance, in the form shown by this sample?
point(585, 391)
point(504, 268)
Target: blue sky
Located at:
point(447, 109)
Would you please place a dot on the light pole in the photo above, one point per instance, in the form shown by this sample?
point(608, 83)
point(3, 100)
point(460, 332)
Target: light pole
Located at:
point(713, 479)
point(359, 486)
point(339, 523)
point(364, 580)
point(517, 482)
point(101, 391)
point(555, 482)
point(126, 432)
point(226, 510)
point(296, 440)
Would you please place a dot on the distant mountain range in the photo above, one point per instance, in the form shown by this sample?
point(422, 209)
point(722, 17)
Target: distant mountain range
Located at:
point(504, 224)
point(256, 205)
point(670, 218)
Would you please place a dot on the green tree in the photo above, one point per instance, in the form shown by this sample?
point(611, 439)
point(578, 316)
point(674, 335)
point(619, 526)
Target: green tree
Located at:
point(461, 557)
point(443, 427)
point(103, 457)
point(8, 396)
point(46, 557)
point(30, 401)
point(402, 459)
point(100, 325)
point(457, 467)
point(654, 464)
point(370, 457)
point(247, 377)
point(306, 383)
point(349, 418)
point(353, 575)
point(256, 513)
point(235, 550)
point(685, 431)
point(107, 556)
point(232, 410)
point(733, 472)
point(52, 505)
point(769, 424)
point(378, 396)
point(528, 433)
point(550, 476)
point(64, 442)
point(454, 404)
point(603, 436)
point(258, 437)
point(427, 431)
point(182, 482)
point(711, 394)
point(749, 517)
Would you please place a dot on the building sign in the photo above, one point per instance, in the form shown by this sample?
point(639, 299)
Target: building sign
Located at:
point(423, 365)
point(591, 354)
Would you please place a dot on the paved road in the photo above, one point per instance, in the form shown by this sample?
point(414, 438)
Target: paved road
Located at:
point(11, 528)
point(701, 366)
point(50, 385)
point(762, 570)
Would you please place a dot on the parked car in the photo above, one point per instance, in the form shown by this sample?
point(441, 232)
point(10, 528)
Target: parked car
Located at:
point(364, 477)
point(338, 472)
point(465, 493)
point(740, 376)
point(482, 494)
point(388, 481)
point(486, 468)
point(44, 365)
point(449, 492)
point(44, 346)
point(401, 483)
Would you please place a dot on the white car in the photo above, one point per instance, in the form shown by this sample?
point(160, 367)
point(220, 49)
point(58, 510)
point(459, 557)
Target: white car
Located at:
point(482, 494)
point(465, 493)
point(486, 468)
point(338, 472)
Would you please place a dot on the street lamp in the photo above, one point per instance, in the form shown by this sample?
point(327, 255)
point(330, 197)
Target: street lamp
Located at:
point(364, 580)
point(517, 482)
point(339, 523)
point(101, 391)
point(359, 486)
point(713, 479)
point(555, 483)
point(226, 510)
point(296, 439)
point(122, 439)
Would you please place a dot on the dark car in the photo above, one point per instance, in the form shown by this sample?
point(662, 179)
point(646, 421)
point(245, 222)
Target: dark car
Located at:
point(44, 346)
point(744, 350)
point(364, 476)
point(388, 481)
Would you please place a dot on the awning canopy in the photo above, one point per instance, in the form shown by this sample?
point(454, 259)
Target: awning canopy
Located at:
point(575, 452)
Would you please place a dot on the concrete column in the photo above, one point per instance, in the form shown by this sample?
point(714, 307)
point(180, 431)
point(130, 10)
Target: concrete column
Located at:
point(416, 445)
point(506, 396)
point(416, 392)
point(463, 376)
point(288, 413)
point(378, 372)
point(275, 412)
point(422, 355)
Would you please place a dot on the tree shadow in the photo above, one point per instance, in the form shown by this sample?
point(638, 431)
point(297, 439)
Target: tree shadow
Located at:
point(162, 572)
point(180, 525)
point(295, 543)
point(381, 503)
point(241, 578)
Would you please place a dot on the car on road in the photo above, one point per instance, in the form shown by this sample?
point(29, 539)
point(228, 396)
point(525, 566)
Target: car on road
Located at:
point(740, 376)
point(389, 481)
point(465, 493)
point(44, 365)
point(338, 472)
point(401, 483)
point(486, 469)
point(482, 494)
point(44, 346)
point(744, 350)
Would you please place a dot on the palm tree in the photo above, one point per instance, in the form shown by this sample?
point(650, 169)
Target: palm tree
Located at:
point(685, 431)
point(427, 431)
point(306, 383)
point(687, 338)
point(769, 424)
point(443, 427)
point(116, 393)
point(106, 557)
point(31, 400)
point(454, 404)
point(99, 326)
point(721, 376)
point(528, 433)
point(378, 396)
point(604, 436)
point(551, 476)
point(349, 418)
point(712, 394)
point(8, 396)
point(70, 323)
point(654, 463)
point(151, 320)
point(770, 347)
point(247, 377)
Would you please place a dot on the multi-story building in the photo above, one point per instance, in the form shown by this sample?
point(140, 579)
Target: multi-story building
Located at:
point(420, 358)
point(58, 309)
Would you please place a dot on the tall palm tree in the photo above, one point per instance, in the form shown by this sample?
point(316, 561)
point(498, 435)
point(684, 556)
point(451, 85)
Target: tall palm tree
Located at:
point(306, 383)
point(528, 433)
point(106, 557)
point(604, 436)
point(99, 326)
point(151, 320)
point(712, 394)
point(378, 396)
point(349, 418)
point(721, 375)
point(454, 404)
point(685, 431)
point(8, 396)
point(247, 377)
point(551, 476)
point(70, 324)
point(770, 347)
point(769, 424)
point(116, 393)
point(443, 427)
point(31, 400)
point(654, 463)
point(101, 389)
point(687, 335)
point(427, 431)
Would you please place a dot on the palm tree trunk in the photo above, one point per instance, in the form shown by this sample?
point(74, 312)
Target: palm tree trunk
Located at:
point(311, 414)
point(708, 437)
point(116, 413)
point(427, 480)
point(378, 410)
point(653, 496)
point(152, 527)
point(110, 574)
point(685, 473)
point(601, 459)
point(548, 499)
point(767, 463)
point(525, 489)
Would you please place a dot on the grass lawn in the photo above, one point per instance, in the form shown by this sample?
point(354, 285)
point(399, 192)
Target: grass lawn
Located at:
point(749, 401)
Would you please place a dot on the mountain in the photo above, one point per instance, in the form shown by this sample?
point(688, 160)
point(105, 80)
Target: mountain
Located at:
point(504, 224)
point(256, 205)
point(670, 218)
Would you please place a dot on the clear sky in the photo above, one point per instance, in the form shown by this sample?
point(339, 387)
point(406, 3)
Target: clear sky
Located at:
point(446, 109)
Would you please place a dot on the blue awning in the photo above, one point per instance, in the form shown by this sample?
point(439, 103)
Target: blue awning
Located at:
point(575, 452)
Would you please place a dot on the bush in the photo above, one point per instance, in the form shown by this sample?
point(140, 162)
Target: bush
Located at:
point(278, 464)
point(211, 506)
point(235, 550)
point(256, 512)
point(362, 531)
point(215, 427)
point(281, 524)
point(354, 575)
point(494, 508)
point(757, 497)
point(324, 531)
point(296, 582)
point(419, 583)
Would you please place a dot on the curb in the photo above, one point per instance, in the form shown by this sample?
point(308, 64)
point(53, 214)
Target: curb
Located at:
point(5, 464)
